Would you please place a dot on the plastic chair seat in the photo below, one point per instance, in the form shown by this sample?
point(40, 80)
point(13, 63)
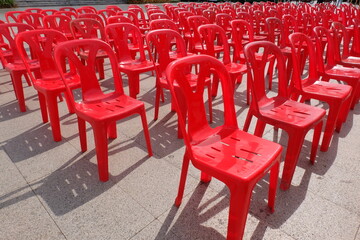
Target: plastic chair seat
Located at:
point(342, 72)
point(290, 113)
point(351, 61)
point(328, 90)
point(136, 66)
point(236, 68)
point(52, 82)
point(85, 54)
point(233, 153)
point(108, 108)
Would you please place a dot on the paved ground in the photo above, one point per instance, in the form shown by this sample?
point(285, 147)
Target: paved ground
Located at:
point(50, 190)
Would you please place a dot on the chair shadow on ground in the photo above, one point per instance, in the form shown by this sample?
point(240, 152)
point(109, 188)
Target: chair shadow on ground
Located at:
point(75, 183)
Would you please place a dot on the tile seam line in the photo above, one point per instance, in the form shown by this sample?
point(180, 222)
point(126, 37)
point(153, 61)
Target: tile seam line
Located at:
point(37, 197)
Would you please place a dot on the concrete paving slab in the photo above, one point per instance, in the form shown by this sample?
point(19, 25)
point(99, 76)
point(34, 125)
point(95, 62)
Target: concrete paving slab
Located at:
point(155, 230)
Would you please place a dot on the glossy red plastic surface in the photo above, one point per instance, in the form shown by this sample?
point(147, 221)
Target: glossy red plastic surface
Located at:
point(281, 112)
point(100, 109)
point(169, 45)
point(214, 43)
point(126, 37)
point(329, 69)
point(337, 96)
point(12, 16)
point(47, 82)
point(12, 60)
point(60, 23)
point(33, 19)
point(234, 157)
point(86, 9)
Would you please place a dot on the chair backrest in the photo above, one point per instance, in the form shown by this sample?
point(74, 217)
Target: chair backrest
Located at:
point(33, 10)
point(163, 24)
point(129, 15)
point(87, 28)
point(69, 9)
point(90, 87)
point(8, 32)
point(256, 72)
point(40, 50)
point(118, 19)
point(86, 9)
point(355, 47)
point(140, 15)
point(12, 16)
point(105, 14)
point(196, 114)
point(223, 20)
point(274, 26)
point(71, 15)
point(33, 19)
point(183, 21)
point(47, 12)
point(194, 23)
point(210, 15)
point(92, 16)
point(290, 25)
point(246, 16)
point(159, 16)
point(240, 28)
point(114, 8)
point(341, 40)
point(164, 41)
point(325, 54)
point(58, 22)
point(211, 35)
point(122, 34)
point(300, 44)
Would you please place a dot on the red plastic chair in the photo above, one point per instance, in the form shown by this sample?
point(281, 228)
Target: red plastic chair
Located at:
point(86, 9)
point(47, 12)
point(163, 24)
point(114, 8)
point(105, 14)
point(60, 23)
point(69, 9)
point(169, 45)
point(131, 16)
point(125, 38)
point(281, 112)
point(156, 16)
point(118, 19)
point(12, 16)
point(95, 16)
point(71, 15)
point(13, 62)
point(33, 19)
point(100, 109)
point(210, 15)
point(214, 42)
point(195, 40)
point(47, 83)
point(226, 153)
point(88, 28)
point(223, 20)
point(328, 68)
point(33, 10)
point(337, 96)
point(140, 15)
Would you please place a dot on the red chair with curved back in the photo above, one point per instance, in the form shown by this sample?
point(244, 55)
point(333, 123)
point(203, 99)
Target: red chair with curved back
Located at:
point(33, 10)
point(33, 19)
point(100, 109)
point(47, 83)
point(95, 16)
point(214, 42)
point(337, 96)
point(126, 37)
point(210, 15)
point(169, 45)
point(13, 62)
point(195, 41)
point(69, 9)
point(140, 15)
point(155, 16)
point(105, 14)
point(47, 12)
point(329, 69)
point(12, 16)
point(71, 15)
point(60, 23)
point(118, 19)
point(163, 24)
point(114, 8)
point(86, 9)
point(234, 157)
point(223, 20)
point(88, 28)
point(281, 112)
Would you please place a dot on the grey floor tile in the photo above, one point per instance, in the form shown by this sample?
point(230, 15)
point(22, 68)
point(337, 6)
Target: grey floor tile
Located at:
point(10, 177)
point(22, 216)
point(155, 231)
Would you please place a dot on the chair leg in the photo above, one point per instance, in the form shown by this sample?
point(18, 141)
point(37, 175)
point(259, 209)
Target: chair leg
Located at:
point(146, 131)
point(240, 196)
point(54, 116)
point(271, 72)
point(184, 170)
point(100, 68)
point(43, 107)
point(274, 175)
point(210, 104)
point(294, 145)
point(334, 109)
point(69, 103)
point(344, 112)
point(315, 142)
point(18, 89)
point(134, 84)
point(82, 134)
point(215, 85)
point(157, 102)
point(101, 146)
point(247, 121)
point(111, 130)
point(259, 129)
